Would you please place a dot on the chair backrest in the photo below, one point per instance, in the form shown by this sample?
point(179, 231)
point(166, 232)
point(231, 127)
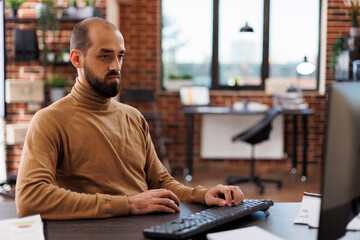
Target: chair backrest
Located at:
point(144, 101)
point(139, 95)
point(260, 131)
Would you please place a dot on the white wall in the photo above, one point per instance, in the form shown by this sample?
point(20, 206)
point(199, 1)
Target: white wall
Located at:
point(218, 130)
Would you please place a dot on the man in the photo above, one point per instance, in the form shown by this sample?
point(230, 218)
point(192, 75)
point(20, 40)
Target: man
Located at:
point(89, 156)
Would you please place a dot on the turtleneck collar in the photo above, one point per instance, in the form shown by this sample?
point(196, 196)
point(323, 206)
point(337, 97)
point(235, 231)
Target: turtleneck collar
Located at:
point(86, 96)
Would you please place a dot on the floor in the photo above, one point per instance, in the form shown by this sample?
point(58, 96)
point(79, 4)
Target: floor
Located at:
point(210, 173)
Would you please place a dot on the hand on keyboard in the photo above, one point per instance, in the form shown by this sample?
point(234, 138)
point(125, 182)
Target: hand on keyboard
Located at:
point(156, 200)
point(221, 195)
point(205, 220)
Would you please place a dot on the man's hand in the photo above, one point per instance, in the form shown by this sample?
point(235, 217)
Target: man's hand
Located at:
point(223, 195)
point(157, 200)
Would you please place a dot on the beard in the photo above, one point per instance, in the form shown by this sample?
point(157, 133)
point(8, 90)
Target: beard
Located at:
point(101, 86)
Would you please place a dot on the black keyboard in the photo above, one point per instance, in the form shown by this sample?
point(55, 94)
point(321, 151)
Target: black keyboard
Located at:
point(202, 221)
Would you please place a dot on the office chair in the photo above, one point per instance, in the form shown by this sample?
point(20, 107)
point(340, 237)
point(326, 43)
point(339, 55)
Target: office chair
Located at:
point(257, 133)
point(143, 100)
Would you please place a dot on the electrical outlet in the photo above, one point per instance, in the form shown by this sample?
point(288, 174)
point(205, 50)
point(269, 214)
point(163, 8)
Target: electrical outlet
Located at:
point(20, 91)
point(16, 133)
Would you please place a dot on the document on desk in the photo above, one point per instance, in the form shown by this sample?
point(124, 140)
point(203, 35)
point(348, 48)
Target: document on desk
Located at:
point(309, 213)
point(249, 233)
point(354, 225)
point(29, 228)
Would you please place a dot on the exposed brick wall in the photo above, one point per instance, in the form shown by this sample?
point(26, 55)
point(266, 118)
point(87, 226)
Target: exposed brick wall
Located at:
point(33, 70)
point(140, 23)
point(142, 20)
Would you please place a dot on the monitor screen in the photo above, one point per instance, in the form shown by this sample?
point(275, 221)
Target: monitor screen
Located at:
point(341, 166)
point(194, 96)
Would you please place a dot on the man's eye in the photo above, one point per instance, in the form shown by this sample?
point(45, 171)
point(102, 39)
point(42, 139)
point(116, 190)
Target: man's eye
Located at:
point(104, 56)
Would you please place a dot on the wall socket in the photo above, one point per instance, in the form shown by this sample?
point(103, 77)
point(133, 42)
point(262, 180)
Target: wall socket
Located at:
point(20, 91)
point(16, 133)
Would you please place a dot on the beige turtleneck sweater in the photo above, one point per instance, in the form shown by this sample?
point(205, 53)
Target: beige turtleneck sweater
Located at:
point(84, 155)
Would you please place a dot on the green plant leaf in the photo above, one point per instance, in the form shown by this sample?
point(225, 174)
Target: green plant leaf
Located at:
point(56, 81)
point(14, 4)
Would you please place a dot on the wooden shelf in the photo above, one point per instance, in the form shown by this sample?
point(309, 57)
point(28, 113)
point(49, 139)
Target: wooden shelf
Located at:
point(57, 63)
point(27, 20)
point(20, 20)
point(64, 18)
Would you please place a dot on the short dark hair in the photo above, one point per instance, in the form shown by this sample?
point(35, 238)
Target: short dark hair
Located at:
point(80, 35)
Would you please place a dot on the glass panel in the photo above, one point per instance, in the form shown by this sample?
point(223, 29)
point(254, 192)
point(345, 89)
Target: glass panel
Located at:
point(293, 36)
point(186, 42)
point(240, 53)
point(3, 176)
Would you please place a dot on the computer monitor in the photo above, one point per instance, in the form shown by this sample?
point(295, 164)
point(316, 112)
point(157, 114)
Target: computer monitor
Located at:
point(341, 166)
point(194, 96)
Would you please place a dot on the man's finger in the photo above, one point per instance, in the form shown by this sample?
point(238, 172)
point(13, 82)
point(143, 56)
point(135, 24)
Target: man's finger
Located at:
point(163, 208)
point(227, 194)
point(238, 195)
point(169, 194)
point(168, 202)
point(217, 201)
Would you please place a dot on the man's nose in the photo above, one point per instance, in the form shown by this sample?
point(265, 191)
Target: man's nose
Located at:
point(116, 64)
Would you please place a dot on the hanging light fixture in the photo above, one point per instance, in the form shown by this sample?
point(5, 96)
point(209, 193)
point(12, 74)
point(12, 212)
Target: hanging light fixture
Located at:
point(246, 28)
point(305, 68)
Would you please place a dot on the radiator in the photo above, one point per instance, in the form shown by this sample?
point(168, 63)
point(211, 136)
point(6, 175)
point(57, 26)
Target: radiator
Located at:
point(217, 131)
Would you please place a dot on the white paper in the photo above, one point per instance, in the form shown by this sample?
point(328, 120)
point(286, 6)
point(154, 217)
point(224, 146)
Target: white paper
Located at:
point(29, 228)
point(314, 206)
point(303, 216)
point(354, 224)
point(309, 212)
point(249, 233)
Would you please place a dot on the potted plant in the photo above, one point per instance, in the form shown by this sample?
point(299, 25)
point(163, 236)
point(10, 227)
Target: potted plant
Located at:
point(14, 6)
point(48, 19)
point(337, 48)
point(88, 10)
point(175, 81)
point(353, 6)
point(57, 85)
point(64, 55)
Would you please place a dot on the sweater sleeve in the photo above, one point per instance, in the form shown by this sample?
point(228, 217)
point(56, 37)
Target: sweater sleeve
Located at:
point(158, 177)
point(37, 191)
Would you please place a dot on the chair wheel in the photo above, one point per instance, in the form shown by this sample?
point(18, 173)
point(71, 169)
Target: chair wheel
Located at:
point(188, 178)
point(261, 191)
point(279, 185)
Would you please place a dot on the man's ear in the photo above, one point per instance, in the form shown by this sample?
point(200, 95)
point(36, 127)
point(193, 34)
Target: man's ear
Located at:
point(76, 57)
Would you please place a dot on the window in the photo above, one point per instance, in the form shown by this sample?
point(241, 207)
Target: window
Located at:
point(240, 53)
point(294, 35)
point(202, 41)
point(186, 42)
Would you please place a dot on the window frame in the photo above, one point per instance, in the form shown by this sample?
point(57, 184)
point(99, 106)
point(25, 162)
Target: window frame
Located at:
point(215, 53)
point(265, 68)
